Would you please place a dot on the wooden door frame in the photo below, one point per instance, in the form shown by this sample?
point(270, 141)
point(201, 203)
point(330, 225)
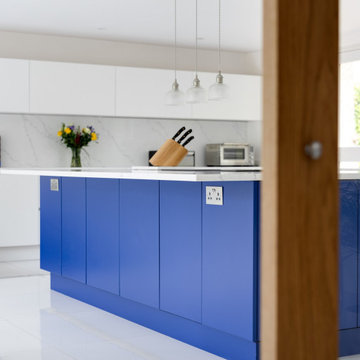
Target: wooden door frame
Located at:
point(299, 251)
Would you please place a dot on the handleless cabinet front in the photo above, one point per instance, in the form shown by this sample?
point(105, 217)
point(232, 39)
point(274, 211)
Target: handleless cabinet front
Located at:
point(50, 224)
point(180, 248)
point(74, 229)
point(229, 299)
point(139, 241)
point(102, 202)
point(72, 88)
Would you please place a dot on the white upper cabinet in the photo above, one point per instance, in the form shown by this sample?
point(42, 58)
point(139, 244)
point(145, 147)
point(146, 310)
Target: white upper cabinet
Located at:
point(46, 87)
point(68, 88)
point(141, 93)
point(244, 102)
point(14, 86)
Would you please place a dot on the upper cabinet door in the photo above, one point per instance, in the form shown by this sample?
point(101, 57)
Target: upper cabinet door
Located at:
point(141, 93)
point(244, 102)
point(14, 86)
point(79, 89)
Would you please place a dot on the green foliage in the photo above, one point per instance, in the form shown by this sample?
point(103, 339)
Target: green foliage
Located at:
point(357, 110)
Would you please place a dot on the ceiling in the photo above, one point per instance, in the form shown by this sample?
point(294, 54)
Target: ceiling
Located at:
point(151, 21)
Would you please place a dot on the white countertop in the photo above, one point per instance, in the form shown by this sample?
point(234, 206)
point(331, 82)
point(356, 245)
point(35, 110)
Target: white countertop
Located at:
point(144, 173)
point(153, 173)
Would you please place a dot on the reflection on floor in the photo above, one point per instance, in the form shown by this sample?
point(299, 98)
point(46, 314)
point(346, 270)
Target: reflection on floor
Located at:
point(21, 268)
point(36, 323)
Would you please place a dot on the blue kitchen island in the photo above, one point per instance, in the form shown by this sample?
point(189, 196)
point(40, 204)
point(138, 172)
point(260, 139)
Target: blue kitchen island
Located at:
point(147, 247)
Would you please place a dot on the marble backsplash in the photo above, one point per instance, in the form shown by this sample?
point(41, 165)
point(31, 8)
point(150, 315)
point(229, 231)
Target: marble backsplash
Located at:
point(31, 140)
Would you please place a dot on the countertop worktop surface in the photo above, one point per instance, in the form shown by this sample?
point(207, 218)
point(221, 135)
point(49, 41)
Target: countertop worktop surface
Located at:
point(153, 173)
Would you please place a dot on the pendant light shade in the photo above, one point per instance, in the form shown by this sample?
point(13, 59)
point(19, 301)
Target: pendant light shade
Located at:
point(219, 90)
point(196, 94)
point(175, 96)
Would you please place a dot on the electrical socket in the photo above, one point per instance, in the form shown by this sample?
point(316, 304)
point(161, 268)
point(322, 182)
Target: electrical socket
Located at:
point(214, 195)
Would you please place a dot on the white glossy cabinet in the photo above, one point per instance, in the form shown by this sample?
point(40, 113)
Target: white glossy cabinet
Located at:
point(46, 87)
point(68, 88)
point(14, 86)
point(141, 93)
point(244, 102)
point(20, 201)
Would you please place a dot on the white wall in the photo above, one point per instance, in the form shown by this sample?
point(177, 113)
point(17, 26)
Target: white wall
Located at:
point(91, 51)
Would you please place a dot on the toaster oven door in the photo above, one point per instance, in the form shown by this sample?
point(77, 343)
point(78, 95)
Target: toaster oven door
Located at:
point(234, 155)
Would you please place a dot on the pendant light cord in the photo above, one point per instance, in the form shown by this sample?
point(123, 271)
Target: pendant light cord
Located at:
point(219, 36)
point(196, 38)
point(175, 40)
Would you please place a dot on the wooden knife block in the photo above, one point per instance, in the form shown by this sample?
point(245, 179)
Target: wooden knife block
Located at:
point(170, 154)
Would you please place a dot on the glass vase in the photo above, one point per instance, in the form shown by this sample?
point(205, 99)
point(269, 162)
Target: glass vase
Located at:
point(76, 159)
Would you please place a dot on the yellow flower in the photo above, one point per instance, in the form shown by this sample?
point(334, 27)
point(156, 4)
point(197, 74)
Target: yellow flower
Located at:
point(60, 133)
point(67, 130)
point(93, 136)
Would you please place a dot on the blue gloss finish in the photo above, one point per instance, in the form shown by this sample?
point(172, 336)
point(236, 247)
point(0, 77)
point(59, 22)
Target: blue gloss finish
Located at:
point(224, 345)
point(74, 228)
point(349, 220)
point(139, 241)
point(50, 226)
point(180, 248)
point(102, 197)
point(349, 342)
point(229, 246)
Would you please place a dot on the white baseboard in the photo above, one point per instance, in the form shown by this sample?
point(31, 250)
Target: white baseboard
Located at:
point(18, 253)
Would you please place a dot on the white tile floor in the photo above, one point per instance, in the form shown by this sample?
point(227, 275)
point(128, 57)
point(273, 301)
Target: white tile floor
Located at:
point(36, 323)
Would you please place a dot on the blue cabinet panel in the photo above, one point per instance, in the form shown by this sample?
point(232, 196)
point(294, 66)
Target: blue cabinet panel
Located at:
point(180, 248)
point(348, 254)
point(229, 256)
point(139, 241)
point(50, 226)
point(74, 229)
point(102, 201)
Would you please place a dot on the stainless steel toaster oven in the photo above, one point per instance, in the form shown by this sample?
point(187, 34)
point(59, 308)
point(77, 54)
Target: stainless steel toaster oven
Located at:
point(229, 154)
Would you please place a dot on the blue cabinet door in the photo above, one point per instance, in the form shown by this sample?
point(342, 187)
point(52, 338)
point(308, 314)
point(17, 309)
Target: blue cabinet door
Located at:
point(102, 202)
point(349, 220)
point(74, 229)
point(50, 224)
point(180, 248)
point(229, 301)
point(139, 241)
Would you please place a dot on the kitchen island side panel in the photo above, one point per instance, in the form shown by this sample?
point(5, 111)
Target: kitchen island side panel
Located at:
point(180, 248)
point(229, 301)
point(102, 200)
point(139, 241)
point(73, 253)
point(50, 224)
point(348, 247)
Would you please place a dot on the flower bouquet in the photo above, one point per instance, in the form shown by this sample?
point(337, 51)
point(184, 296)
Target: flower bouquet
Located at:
point(75, 138)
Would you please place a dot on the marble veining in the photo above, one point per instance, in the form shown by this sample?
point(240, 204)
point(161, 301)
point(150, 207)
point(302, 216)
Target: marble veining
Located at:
point(31, 140)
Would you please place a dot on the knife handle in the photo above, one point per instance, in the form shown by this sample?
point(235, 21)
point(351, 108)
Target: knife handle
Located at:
point(178, 133)
point(185, 135)
point(188, 140)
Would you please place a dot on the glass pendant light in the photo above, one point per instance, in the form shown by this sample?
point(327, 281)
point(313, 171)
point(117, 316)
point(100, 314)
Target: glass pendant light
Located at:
point(175, 96)
point(196, 94)
point(219, 90)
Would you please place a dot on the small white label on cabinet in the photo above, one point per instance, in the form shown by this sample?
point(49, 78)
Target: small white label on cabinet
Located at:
point(54, 184)
point(214, 195)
